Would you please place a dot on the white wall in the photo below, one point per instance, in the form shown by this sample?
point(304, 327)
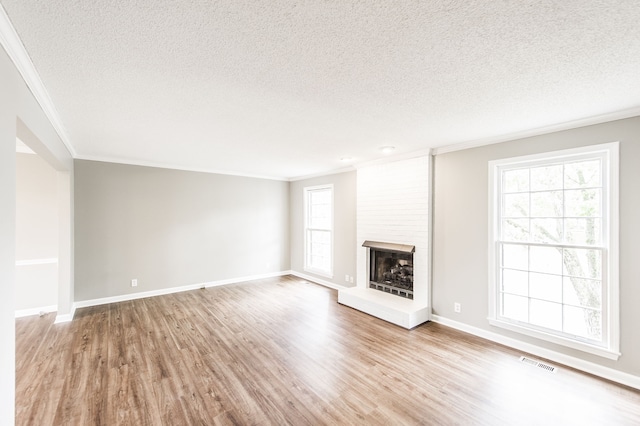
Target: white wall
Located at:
point(20, 115)
point(36, 235)
point(7, 238)
point(393, 207)
point(461, 233)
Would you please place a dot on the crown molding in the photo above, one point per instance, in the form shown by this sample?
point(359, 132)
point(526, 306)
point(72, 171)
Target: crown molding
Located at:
point(583, 122)
point(12, 44)
point(328, 173)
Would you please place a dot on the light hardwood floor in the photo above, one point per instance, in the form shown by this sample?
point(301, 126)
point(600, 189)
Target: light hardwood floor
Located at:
point(283, 351)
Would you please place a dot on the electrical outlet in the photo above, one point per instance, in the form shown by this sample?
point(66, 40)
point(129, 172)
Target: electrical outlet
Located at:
point(134, 283)
point(346, 278)
point(456, 307)
point(351, 279)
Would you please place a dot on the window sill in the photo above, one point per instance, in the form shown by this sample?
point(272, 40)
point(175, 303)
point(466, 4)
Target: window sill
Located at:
point(585, 347)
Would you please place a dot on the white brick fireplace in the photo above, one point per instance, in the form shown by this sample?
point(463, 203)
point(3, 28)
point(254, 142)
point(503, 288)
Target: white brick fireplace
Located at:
point(393, 207)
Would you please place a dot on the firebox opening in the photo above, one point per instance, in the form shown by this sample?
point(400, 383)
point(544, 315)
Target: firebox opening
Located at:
point(391, 272)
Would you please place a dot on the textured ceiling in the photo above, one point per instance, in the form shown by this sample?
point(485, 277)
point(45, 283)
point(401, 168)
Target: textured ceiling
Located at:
point(286, 88)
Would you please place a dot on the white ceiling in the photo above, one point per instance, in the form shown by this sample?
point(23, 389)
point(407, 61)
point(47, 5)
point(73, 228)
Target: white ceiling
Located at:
point(285, 88)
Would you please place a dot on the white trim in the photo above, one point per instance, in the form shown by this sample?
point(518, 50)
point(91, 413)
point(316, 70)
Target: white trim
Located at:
point(329, 173)
point(30, 262)
point(574, 124)
point(164, 291)
point(613, 260)
point(158, 165)
point(559, 340)
point(35, 311)
point(66, 317)
point(558, 154)
point(12, 44)
point(570, 361)
point(317, 280)
point(609, 153)
point(305, 195)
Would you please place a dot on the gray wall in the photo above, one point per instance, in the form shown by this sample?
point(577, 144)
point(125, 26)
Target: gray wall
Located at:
point(36, 232)
point(461, 231)
point(344, 240)
point(170, 228)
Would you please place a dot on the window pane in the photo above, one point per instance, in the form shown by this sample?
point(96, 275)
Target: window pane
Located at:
point(319, 262)
point(515, 180)
point(583, 174)
point(582, 292)
point(583, 263)
point(583, 203)
point(515, 282)
point(320, 216)
point(546, 314)
point(317, 249)
point(515, 230)
point(546, 178)
point(545, 287)
point(320, 197)
point(587, 231)
point(515, 307)
point(516, 205)
point(320, 237)
point(545, 207)
point(546, 230)
point(583, 322)
point(545, 259)
point(546, 204)
point(515, 256)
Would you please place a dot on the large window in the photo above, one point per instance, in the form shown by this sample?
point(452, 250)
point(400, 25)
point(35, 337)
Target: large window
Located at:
point(318, 231)
point(553, 247)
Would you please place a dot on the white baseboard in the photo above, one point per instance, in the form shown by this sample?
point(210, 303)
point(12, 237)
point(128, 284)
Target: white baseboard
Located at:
point(60, 318)
point(570, 361)
point(35, 311)
point(163, 291)
point(317, 280)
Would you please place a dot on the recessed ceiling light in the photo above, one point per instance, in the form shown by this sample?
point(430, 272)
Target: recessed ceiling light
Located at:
point(387, 149)
point(346, 159)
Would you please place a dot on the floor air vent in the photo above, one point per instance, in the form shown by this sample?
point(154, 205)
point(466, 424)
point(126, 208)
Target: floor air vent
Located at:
point(542, 365)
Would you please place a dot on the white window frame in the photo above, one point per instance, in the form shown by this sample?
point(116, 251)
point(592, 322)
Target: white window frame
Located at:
point(610, 309)
point(307, 229)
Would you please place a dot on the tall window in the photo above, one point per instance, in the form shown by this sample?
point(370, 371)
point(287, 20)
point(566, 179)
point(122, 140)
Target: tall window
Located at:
point(553, 254)
point(319, 230)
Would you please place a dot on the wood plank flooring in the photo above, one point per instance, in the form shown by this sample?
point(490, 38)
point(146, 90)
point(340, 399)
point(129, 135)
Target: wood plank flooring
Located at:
point(283, 351)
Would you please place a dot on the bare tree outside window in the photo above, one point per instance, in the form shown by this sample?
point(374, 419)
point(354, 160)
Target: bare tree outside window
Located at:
point(551, 251)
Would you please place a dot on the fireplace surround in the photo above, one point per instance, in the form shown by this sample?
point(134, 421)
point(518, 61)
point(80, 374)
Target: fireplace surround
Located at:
point(393, 206)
